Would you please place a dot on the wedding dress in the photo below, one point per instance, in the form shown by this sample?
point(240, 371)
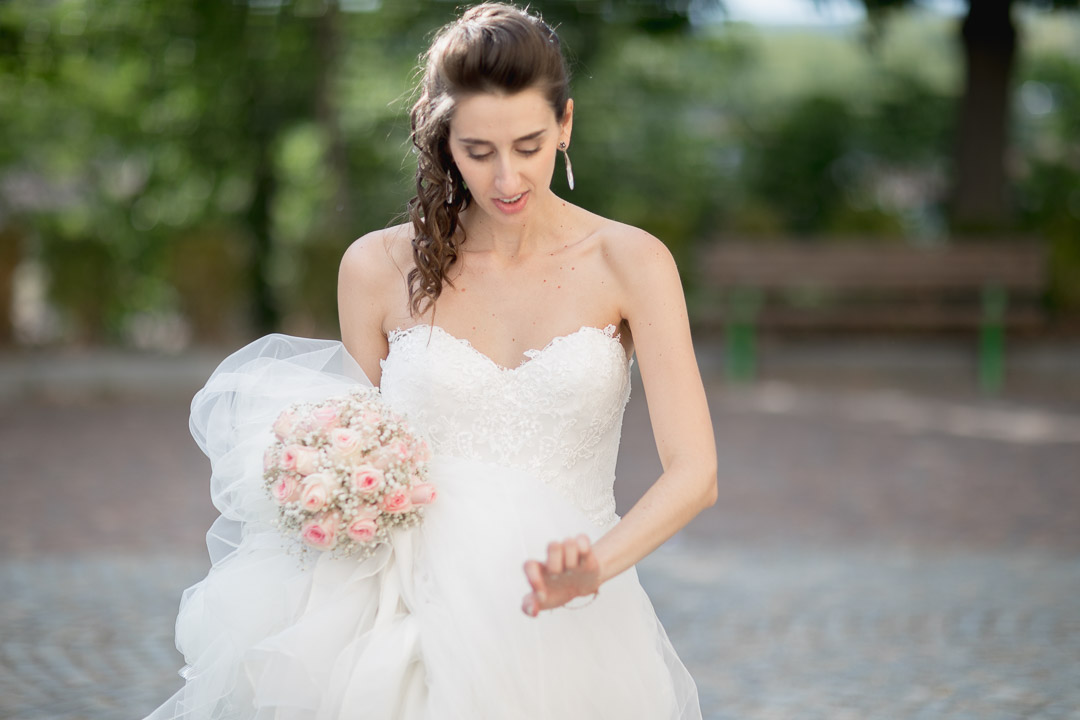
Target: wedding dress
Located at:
point(431, 626)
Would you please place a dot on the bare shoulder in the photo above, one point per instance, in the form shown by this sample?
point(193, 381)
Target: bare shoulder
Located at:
point(380, 255)
point(635, 258)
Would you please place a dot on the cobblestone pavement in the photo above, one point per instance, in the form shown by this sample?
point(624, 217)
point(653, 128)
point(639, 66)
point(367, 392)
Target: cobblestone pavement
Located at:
point(765, 633)
point(873, 554)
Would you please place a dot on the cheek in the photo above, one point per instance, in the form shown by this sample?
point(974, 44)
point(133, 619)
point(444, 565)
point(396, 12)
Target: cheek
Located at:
point(471, 172)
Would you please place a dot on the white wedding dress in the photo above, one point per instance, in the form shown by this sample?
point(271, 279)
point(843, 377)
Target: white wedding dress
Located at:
point(431, 626)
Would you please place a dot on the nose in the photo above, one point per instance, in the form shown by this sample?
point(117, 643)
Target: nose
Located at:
point(506, 174)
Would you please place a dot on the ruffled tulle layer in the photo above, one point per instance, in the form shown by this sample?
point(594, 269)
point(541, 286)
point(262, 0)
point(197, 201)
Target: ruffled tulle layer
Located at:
point(431, 625)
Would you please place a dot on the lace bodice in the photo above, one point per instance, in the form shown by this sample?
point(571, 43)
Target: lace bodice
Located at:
point(557, 415)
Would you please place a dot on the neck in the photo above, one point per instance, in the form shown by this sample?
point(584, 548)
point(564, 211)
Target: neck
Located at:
point(508, 240)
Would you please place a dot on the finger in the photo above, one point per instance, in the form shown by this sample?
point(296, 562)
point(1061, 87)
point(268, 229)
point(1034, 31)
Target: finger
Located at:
point(535, 574)
point(583, 543)
point(555, 558)
point(529, 606)
point(570, 552)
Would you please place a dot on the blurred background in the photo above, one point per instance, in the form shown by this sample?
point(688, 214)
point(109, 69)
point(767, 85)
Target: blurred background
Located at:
point(875, 206)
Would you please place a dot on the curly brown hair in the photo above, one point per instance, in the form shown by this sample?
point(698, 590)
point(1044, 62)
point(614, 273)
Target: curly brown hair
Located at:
point(493, 47)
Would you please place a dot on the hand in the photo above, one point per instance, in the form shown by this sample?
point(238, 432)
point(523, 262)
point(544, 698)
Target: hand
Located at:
point(572, 570)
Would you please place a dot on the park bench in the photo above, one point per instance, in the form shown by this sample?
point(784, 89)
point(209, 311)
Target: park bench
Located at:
point(983, 287)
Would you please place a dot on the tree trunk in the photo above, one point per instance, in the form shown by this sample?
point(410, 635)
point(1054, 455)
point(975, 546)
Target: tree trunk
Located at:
point(980, 200)
point(263, 118)
point(264, 310)
point(328, 40)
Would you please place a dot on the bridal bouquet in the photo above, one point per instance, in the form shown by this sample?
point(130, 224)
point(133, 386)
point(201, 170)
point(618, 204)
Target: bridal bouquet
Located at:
point(346, 470)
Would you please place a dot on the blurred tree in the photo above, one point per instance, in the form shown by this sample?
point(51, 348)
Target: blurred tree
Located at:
point(1048, 189)
point(980, 199)
point(199, 134)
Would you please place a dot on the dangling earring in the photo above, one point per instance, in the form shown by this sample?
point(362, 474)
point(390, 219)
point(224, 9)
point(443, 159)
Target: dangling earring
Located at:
point(569, 168)
point(449, 191)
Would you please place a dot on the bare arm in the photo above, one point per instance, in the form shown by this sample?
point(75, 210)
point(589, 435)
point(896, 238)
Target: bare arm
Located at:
point(363, 287)
point(655, 308)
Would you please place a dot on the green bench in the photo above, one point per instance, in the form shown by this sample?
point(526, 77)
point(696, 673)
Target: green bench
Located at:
point(984, 287)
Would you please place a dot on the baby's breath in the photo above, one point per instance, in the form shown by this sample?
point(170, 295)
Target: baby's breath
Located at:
point(300, 430)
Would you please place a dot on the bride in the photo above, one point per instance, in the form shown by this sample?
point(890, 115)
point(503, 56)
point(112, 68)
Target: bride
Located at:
point(502, 321)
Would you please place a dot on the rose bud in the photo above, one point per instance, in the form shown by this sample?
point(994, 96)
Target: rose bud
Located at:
point(284, 424)
point(362, 529)
point(345, 442)
point(321, 532)
point(422, 494)
point(325, 416)
point(396, 501)
point(307, 460)
point(366, 479)
point(285, 489)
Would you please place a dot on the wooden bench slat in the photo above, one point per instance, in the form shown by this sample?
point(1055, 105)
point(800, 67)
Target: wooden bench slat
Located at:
point(772, 267)
point(883, 319)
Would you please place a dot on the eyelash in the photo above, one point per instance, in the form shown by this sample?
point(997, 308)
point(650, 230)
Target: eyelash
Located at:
point(487, 155)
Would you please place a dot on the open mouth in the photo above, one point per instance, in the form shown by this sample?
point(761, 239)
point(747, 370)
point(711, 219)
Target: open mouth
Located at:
point(514, 203)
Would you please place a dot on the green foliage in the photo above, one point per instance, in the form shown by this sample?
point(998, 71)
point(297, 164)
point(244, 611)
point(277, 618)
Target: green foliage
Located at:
point(1048, 187)
point(212, 159)
point(794, 163)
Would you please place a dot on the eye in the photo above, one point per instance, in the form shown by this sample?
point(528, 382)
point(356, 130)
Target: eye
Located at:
point(533, 151)
point(479, 157)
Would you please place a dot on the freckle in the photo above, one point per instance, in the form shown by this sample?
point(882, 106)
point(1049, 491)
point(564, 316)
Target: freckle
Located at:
point(571, 267)
point(559, 286)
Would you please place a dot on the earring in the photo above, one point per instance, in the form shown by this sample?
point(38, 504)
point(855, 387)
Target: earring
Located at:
point(449, 191)
point(569, 168)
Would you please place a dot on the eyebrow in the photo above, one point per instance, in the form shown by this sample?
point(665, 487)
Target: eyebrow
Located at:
point(523, 138)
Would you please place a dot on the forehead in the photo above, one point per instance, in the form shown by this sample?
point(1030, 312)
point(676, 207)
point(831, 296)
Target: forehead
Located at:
point(498, 117)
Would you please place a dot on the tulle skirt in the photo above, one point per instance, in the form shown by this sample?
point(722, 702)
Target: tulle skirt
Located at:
point(429, 627)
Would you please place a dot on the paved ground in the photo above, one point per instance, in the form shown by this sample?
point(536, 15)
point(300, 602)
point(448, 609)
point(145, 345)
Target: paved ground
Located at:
point(883, 547)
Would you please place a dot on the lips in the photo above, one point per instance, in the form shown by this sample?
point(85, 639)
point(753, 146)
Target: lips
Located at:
point(513, 203)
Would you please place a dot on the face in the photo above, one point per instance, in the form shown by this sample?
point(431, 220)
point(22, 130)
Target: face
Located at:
point(504, 147)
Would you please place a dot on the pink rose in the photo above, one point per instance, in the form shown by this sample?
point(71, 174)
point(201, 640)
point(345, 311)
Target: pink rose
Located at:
point(325, 416)
point(422, 494)
point(316, 491)
point(321, 532)
point(368, 512)
point(284, 424)
point(307, 460)
point(362, 529)
point(344, 441)
point(285, 489)
point(287, 459)
point(399, 450)
point(370, 418)
point(366, 479)
point(269, 457)
point(396, 501)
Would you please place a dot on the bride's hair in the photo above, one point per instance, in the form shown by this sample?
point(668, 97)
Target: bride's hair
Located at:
point(492, 47)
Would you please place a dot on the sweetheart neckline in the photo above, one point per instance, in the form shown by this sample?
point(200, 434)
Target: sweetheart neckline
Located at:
point(530, 354)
